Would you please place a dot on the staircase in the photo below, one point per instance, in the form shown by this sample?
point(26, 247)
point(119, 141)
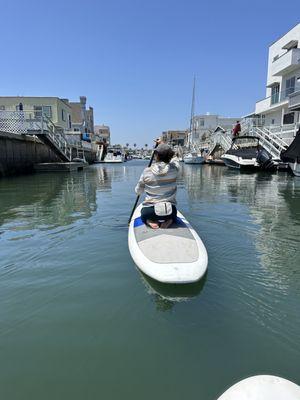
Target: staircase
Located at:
point(52, 137)
point(222, 139)
point(271, 141)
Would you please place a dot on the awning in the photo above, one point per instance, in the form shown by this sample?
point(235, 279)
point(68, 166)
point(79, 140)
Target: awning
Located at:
point(270, 85)
point(291, 45)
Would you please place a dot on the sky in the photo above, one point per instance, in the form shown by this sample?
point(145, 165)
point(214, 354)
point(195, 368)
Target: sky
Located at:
point(135, 60)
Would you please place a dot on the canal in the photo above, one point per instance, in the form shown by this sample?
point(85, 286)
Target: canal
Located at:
point(78, 321)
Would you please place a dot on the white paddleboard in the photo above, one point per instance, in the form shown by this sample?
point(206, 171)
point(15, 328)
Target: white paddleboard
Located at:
point(263, 387)
point(173, 255)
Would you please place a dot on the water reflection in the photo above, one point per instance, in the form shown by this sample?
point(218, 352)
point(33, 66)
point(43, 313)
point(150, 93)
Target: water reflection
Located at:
point(254, 221)
point(45, 201)
point(166, 296)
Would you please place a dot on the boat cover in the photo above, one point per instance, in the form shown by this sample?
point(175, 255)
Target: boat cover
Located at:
point(292, 153)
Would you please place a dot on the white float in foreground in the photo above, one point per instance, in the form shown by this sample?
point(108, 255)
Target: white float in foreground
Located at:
point(263, 387)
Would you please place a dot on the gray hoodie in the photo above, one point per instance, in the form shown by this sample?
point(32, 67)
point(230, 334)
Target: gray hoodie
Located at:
point(159, 182)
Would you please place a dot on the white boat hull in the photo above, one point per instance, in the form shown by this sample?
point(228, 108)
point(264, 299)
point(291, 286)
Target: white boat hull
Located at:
point(295, 167)
point(262, 387)
point(174, 255)
point(194, 160)
point(232, 161)
point(112, 161)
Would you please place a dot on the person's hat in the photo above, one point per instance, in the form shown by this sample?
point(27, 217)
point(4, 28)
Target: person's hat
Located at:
point(164, 150)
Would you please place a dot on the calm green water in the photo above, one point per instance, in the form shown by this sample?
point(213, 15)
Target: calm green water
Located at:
point(78, 321)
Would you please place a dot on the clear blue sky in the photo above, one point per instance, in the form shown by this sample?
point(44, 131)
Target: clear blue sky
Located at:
point(135, 60)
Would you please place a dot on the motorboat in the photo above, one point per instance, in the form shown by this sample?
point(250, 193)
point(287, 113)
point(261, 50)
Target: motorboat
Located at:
point(193, 158)
point(247, 153)
point(114, 155)
point(292, 155)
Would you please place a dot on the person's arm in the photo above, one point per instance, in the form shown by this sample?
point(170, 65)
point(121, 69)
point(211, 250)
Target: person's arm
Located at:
point(175, 161)
point(139, 189)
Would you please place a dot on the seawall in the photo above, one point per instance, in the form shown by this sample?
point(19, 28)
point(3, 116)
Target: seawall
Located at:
point(19, 153)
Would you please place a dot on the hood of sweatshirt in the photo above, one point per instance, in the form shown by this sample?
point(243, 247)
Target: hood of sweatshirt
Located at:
point(160, 168)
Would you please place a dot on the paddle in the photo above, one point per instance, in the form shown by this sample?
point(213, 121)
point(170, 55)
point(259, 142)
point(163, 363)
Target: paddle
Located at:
point(138, 196)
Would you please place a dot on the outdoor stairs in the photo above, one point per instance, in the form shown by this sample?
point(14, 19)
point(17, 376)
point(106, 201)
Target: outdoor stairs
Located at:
point(271, 141)
point(53, 138)
point(222, 139)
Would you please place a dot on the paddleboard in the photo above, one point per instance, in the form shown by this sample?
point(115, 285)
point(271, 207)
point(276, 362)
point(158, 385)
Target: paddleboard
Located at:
point(262, 387)
point(172, 255)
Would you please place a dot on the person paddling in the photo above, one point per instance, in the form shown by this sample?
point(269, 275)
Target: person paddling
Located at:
point(160, 185)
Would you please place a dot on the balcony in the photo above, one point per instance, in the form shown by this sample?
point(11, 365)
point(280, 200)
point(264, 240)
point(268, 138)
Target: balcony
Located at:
point(294, 101)
point(272, 103)
point(286, 63)
point(262, 105)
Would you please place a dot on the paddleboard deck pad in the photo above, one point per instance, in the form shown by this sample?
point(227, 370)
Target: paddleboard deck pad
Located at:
point(172, 255)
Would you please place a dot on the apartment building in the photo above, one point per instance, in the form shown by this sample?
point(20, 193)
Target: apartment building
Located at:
point(281, 106)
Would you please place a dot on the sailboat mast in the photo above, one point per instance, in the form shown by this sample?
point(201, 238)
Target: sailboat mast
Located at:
point(192, 113)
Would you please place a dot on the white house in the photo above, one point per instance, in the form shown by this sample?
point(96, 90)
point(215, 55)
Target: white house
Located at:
point(204, 125)
point(281, 106)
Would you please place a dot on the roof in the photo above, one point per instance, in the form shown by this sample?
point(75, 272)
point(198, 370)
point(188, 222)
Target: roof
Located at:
point(37, 97)
point(280, 37)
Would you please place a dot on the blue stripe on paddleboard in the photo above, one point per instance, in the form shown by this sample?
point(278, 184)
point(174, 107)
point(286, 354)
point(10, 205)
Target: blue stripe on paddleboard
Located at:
point(138, 222)
point(179, 221)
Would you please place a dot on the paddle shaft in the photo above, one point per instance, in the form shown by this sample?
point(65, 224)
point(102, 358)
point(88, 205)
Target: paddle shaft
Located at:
point(138, 196)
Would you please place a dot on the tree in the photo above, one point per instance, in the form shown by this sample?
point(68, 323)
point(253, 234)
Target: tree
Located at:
point(127, 144)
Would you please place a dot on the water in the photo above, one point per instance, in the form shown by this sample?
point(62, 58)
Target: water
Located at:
point(78, 321)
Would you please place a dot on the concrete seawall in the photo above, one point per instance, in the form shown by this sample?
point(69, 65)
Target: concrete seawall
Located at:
point(19, 153)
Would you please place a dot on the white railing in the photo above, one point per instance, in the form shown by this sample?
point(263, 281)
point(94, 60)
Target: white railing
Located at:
point(270, 139)
point(31, 123)
point(18, 122)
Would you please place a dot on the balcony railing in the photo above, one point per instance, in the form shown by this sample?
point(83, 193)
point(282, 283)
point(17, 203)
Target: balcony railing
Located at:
point(294, 101)
point(274, 99)
point(286, 63)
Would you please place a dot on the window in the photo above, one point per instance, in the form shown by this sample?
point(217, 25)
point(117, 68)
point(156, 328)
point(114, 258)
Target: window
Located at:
point(290, 86)
point(63, 114)
point(2, 108)
point(70, 122)
point(47, 110)
point(201, 121)
point(273, 121)
point(39, 110)
point(275, 94)
point(288, 118)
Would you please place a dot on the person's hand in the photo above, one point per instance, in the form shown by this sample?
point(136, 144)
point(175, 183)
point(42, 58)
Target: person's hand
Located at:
point(158, 141)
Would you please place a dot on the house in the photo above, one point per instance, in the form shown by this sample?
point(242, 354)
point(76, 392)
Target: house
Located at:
point(82, 118)
point(204, 125)
point(281, 106)
point(175, 138)
point(55, 108)
point(102, 133)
